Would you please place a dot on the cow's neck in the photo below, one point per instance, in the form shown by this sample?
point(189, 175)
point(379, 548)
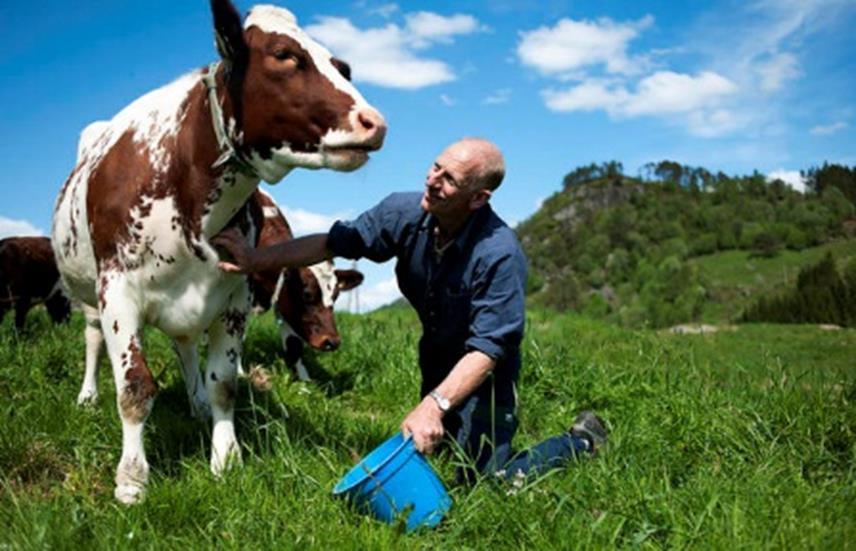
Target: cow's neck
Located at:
point(229, 181)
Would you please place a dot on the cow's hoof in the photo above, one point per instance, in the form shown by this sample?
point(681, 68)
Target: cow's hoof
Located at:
point(87, 398)
point(222, 462)
point(129, 494)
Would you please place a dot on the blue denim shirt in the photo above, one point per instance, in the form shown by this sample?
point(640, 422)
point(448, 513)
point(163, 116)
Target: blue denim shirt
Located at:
point(470, 298)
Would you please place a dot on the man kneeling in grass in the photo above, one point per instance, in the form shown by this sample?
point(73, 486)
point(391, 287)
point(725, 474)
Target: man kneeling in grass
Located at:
point(462, 269)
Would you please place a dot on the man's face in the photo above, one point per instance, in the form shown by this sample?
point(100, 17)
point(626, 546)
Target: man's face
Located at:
point(451, 189)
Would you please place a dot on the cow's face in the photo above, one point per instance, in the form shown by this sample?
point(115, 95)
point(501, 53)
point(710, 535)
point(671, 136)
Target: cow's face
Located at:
point(291, 99)
point(306, 302)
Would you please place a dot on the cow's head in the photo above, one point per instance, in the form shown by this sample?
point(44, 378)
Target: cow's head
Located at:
point(290, 97)
point(306, 302)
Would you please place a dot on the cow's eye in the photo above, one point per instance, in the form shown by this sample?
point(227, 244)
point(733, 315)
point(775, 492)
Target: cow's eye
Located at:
point(286, 55)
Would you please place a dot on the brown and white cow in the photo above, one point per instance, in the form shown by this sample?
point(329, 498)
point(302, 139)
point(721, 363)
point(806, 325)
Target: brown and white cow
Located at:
point(302, 298)
point(132, 223)
point(28, 276)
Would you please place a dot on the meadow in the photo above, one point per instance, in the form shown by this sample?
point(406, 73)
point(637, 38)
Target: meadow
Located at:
point(739, 439)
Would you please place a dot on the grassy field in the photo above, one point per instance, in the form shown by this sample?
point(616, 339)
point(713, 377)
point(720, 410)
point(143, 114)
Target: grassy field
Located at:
point(743, 439)
point(735, 279)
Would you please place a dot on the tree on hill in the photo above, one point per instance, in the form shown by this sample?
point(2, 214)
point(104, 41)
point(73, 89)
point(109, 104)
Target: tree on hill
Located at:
point(821, 295)
point(828, 176)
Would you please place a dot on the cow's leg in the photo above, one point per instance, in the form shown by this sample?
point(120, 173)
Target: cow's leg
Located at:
point(59, 308)
point(292, 347)
point(188, 357)
point(135, 388)
point(224, 358)
point(94, 345)
point(22, 306)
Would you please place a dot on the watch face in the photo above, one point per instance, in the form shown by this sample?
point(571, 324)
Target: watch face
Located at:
point(441, 400)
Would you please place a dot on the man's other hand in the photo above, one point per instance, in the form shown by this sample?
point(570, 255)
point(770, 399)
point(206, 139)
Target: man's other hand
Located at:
point(235, 243)
point(425, 423)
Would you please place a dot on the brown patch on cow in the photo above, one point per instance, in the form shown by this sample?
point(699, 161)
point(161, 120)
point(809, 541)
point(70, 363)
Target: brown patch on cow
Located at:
point(234, 321)
point(116, 327)
point(279, 111)
point(224, 393)
point(140, 388)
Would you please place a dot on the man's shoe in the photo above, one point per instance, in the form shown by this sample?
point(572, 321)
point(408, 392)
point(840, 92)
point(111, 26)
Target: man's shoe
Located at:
point(589, 426)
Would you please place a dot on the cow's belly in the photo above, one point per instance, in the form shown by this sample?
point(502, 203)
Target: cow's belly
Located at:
point(186, 303)
point(71, 242)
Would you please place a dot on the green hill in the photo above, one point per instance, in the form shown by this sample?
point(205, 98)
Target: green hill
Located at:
point(681, 244)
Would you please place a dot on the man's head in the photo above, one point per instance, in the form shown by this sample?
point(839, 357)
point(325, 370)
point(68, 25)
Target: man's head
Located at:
point(462, 179)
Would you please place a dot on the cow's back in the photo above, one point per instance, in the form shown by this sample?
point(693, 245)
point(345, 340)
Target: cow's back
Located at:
point(120, 164)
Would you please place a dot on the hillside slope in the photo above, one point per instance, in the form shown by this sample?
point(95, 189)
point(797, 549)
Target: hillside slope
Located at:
point(649, 252)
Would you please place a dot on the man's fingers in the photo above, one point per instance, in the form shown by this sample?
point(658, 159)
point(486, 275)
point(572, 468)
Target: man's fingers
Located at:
point(229, 267)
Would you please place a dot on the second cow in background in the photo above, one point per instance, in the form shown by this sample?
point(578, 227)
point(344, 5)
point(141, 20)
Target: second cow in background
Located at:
point(302, 298)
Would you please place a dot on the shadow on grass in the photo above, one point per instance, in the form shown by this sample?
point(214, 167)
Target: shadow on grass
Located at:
point(265, 349)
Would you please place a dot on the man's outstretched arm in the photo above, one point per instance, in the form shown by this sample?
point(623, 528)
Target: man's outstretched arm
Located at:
point(303, 251)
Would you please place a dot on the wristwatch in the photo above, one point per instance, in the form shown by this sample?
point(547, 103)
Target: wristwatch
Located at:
point(442, 402)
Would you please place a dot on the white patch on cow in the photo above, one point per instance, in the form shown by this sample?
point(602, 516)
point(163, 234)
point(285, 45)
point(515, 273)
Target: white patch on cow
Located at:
point(270, 212)
point(326, 276)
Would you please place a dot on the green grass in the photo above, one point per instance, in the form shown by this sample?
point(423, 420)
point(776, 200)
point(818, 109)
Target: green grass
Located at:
point(743, 439)
point(735, 279)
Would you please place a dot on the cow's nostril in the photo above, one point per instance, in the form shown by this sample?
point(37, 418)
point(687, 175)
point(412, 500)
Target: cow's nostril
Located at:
point(367, 123)
point(330, 344)
point(374, 126)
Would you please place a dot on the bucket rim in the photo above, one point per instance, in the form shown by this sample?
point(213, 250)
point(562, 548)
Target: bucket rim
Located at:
point(337, 490)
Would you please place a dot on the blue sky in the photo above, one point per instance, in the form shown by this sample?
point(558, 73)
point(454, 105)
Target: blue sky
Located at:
point(729, 85)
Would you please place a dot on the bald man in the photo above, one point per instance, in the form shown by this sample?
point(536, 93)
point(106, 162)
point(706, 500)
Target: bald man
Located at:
point(462, 269)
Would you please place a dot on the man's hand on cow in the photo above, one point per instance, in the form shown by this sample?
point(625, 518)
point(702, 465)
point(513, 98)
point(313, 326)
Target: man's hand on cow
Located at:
point(235, 243)
point(425, 424)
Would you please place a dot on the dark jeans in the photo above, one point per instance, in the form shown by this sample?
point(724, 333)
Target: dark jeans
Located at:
point(484, 436)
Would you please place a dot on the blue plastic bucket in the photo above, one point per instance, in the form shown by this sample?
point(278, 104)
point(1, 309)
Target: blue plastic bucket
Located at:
point(393, 479)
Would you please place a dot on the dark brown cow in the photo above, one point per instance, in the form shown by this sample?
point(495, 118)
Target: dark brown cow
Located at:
point(151, 186)
point(302, 298)
point(28, 276)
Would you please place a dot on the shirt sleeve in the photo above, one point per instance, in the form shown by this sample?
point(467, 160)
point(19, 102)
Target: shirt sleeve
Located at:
point(498, 312)
point(375, 234)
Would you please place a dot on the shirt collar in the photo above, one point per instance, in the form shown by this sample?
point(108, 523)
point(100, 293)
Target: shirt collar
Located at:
point(467, 231)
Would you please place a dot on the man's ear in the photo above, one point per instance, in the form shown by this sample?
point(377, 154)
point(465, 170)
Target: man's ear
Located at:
point(348, 279)
point(480, 198)
point(229, 33)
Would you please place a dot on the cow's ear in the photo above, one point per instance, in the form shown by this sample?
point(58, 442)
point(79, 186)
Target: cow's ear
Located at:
point(348, 279)
point(228, 32)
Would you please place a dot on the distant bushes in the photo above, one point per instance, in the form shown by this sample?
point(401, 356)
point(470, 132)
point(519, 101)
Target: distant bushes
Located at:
point(822, 295)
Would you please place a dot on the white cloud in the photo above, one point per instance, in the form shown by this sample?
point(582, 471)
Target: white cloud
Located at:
point(791, 177)
point(425, 27)
point(386, 10)
point(447, 100)
point(10, 227)
point(368, 297)
point(573, 45)
point(694, 99)
point(303, 222)
point(386, 56)
point(503, 95)
point(588, 96)
point(668, 92)
point(777, 70)
point(826, 130)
